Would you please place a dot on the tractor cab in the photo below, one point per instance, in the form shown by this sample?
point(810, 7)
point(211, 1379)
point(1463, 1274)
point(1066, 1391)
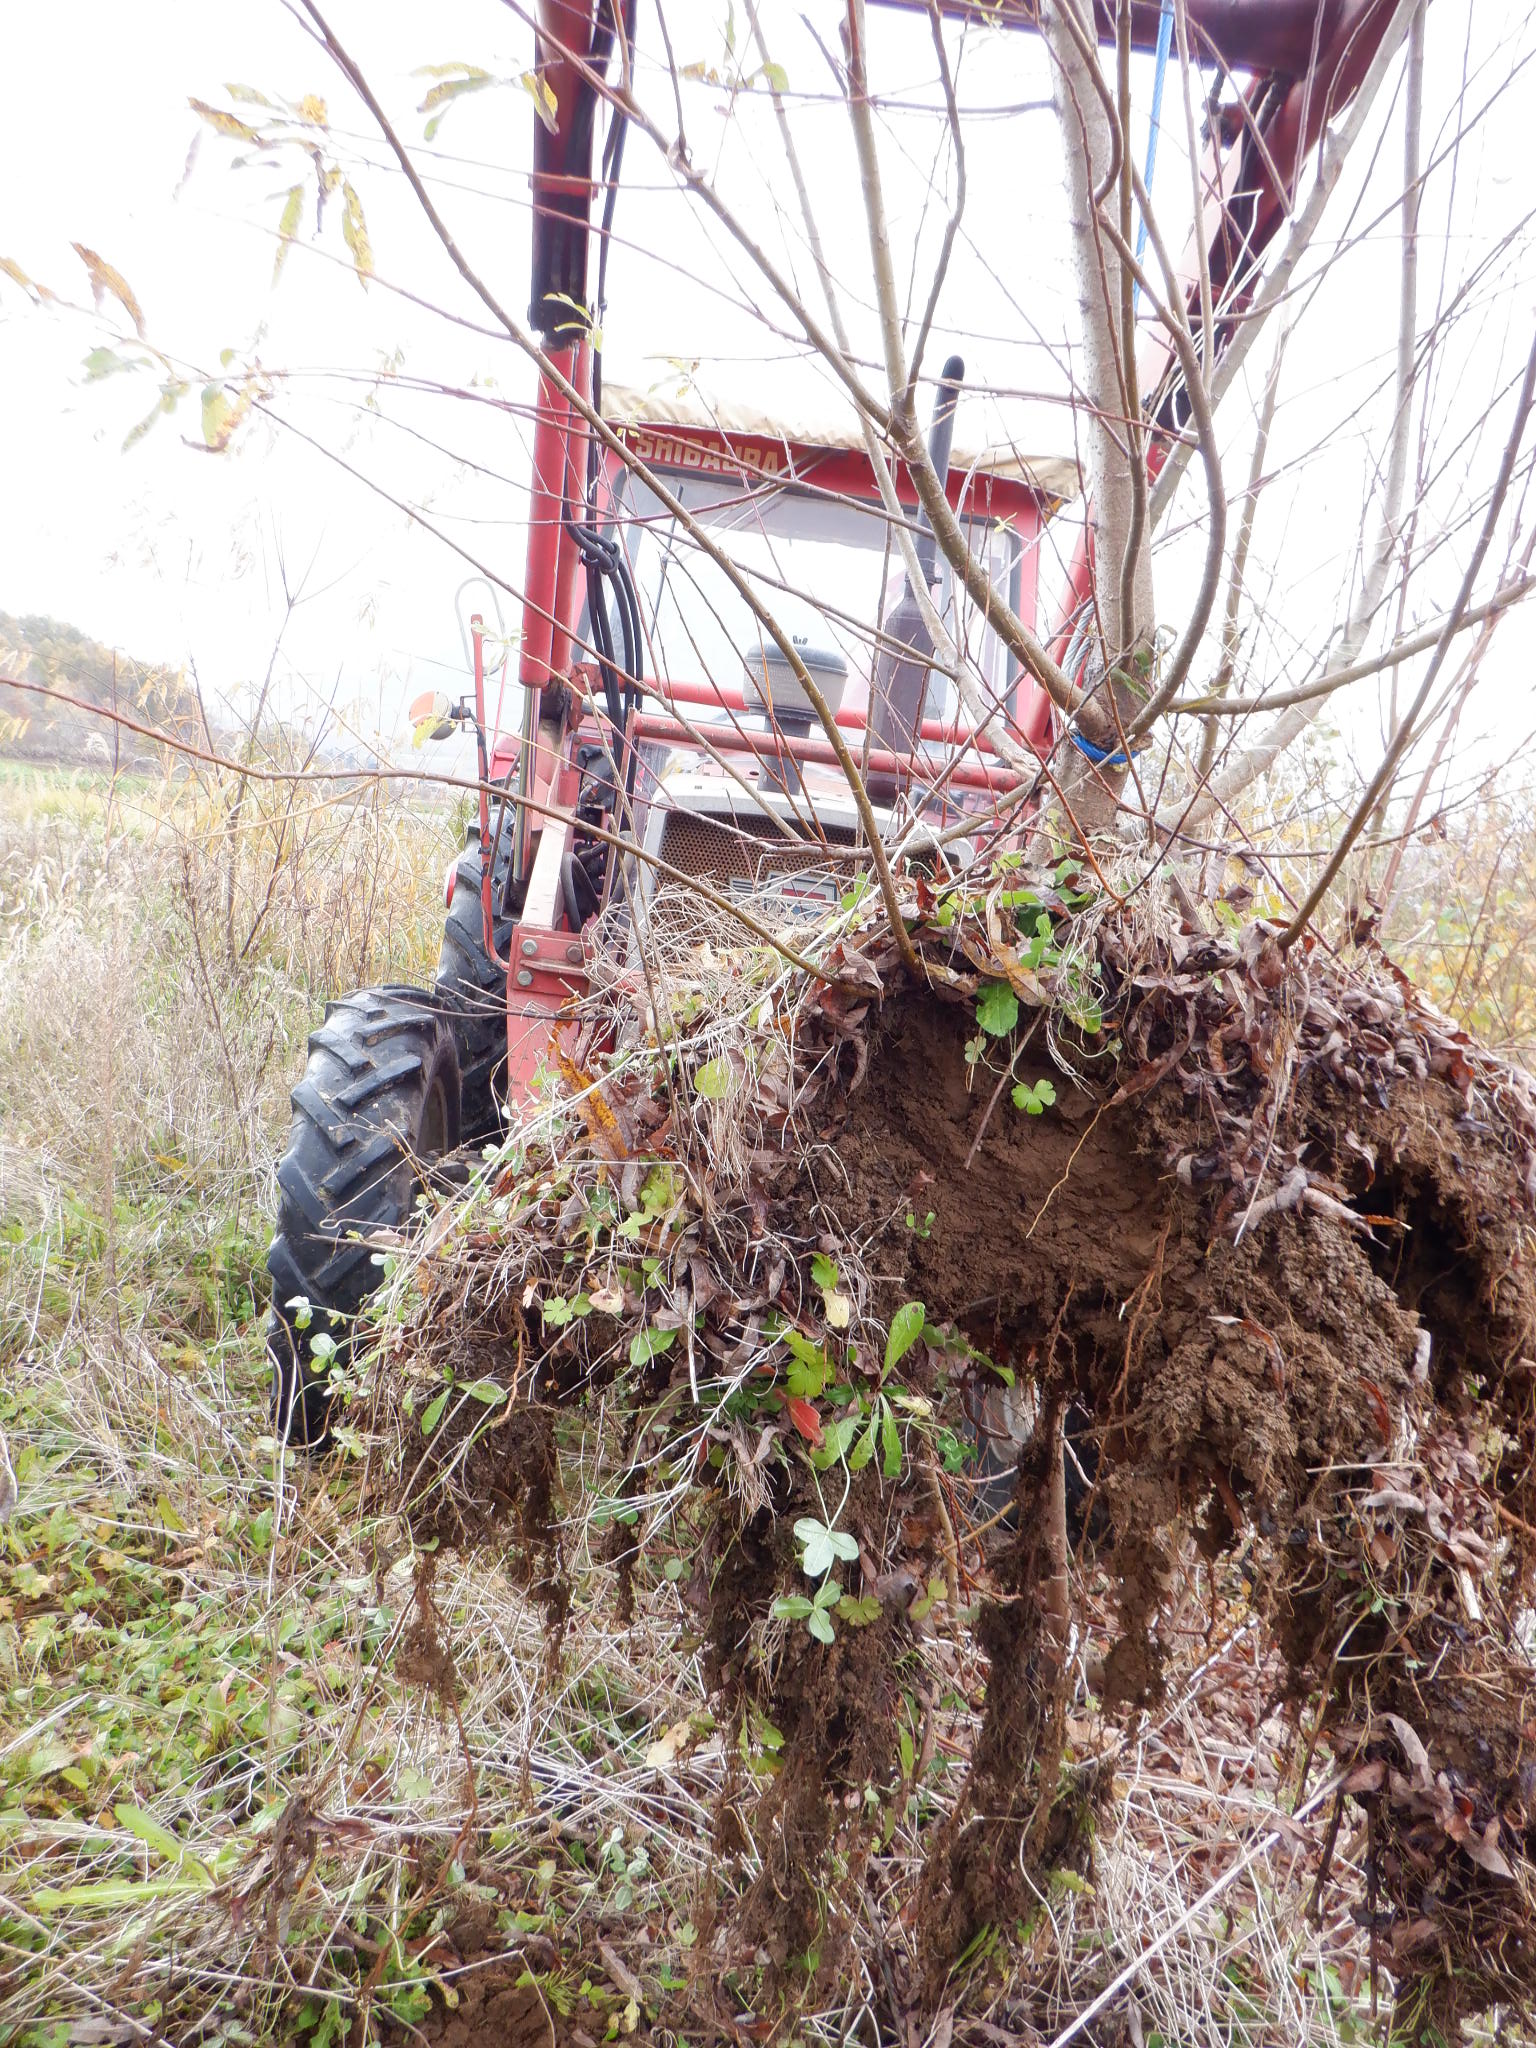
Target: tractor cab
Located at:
point(754, 797)
point(687, 733)
point(798, 508)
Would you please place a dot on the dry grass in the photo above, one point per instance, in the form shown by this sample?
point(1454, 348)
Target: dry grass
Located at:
point(225, 1814)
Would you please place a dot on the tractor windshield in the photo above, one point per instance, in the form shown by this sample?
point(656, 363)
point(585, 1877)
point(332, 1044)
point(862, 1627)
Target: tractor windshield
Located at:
point(827, 568)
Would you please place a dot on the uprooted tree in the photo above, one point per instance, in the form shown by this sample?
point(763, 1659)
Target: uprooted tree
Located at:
point(1028, 1253)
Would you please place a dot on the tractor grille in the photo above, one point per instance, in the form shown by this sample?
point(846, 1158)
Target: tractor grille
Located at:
point(777, 880)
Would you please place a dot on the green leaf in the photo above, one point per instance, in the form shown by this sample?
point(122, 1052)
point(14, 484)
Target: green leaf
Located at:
point(997, 1009)
point(136, 434)
point(105, 362)
point(648, 1344)
point(823, 1546)
point(808, 1370)
point(775, 77)
point(154, 1836)
point(488, 1391)
point(713, 1080)
point(890, 1442)
point(114, 1892)
point(434, 1414)
point(218, 416)
point(906, 1328)
point(542, 93)
point(791, 1607)
point(858, 1613)
point(828, 1594)
point(106, 282)
point(287, 228)
point(470, 79)
point(820, 1625)
point(838, 1436)
point(824, 1271)
point(223, 122)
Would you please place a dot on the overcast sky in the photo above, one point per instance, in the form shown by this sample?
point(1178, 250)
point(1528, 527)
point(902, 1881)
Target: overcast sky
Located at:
point(170, 552)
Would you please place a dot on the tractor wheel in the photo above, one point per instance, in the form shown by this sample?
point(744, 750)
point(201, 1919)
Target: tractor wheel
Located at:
point(379, 1102)
point(473, 989)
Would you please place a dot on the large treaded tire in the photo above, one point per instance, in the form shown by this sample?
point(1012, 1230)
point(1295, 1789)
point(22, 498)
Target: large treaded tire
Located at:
point(379, 1102)
point(473, 989)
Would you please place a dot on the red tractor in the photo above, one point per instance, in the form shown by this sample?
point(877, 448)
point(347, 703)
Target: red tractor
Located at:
point(665, 736)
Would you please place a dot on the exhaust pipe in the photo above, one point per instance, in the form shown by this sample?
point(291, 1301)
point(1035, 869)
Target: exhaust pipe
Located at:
point(900, 690)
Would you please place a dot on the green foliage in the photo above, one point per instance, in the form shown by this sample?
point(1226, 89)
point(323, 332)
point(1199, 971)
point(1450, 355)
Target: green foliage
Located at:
point(997, 1009)
point(648, 1344)
point(809, 1369)
point(906, 1328)
point(713, 1080)
point(813, 1612)
point(823, 1546)
point(433, 1413)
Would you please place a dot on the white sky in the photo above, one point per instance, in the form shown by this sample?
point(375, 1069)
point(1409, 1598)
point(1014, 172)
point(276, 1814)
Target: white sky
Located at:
point(169, 552)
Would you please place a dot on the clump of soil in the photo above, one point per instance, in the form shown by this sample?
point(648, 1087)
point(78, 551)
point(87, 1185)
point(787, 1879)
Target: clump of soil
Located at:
point(1252, 1383)
point(473, 1483)
point(495, 2009)
point(1260, 1271)
point(834, 1712)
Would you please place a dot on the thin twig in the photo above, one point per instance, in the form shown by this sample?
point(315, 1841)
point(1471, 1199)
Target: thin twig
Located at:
point(1387, 772)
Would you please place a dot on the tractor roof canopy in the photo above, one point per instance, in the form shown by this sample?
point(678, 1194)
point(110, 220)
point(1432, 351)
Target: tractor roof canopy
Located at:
point(686, 431)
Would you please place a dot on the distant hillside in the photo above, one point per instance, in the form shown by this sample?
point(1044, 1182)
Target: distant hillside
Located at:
point(42, 650)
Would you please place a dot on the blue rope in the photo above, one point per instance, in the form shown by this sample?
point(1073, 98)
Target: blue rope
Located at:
point(1164, 44)
point(1101, 757)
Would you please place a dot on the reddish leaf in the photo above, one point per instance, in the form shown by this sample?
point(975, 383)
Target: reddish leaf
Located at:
point(1379, 1409)
point(803, 1415)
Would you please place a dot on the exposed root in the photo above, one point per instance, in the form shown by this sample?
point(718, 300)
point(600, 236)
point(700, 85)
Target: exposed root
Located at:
point(1263, 1270)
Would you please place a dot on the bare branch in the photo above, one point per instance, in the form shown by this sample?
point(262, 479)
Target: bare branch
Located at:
point(1087, 123)
point(1386, 773)
point(952, 225)
point(1400, 651)
point(1258, 758)
point(1230, 635)
point(674, 505)
point(902, 427)
point(1192, 143)
point(1332, 156)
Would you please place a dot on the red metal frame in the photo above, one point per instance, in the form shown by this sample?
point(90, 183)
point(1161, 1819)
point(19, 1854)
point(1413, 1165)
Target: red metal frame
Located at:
point(1309, 56)
point(545, 967)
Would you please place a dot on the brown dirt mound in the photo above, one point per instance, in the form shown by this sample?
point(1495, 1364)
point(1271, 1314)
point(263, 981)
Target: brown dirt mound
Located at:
point(495, 2010)
point(1252, 1382)
point(1264, 1265)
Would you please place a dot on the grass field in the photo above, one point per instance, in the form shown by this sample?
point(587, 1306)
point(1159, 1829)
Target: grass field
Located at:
point(223, 1815)
point(178, 1640)
point(238, 1801)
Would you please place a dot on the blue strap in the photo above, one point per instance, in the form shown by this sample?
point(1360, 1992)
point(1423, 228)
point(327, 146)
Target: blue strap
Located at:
point(1164, 43)
point(1101, 757)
